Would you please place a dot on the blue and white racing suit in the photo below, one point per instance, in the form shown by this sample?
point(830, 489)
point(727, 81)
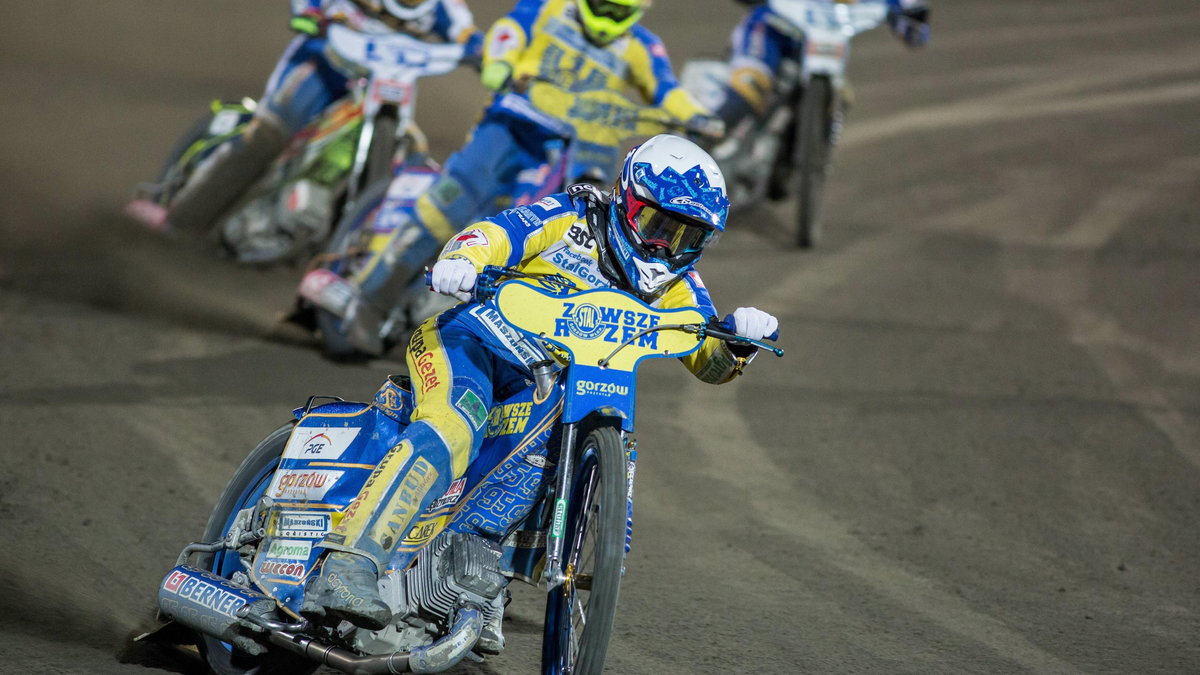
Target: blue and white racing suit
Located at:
point(304, 82)
point(763, 41)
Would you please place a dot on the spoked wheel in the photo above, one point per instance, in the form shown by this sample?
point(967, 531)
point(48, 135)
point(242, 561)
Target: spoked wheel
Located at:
point(243, 491)
point(348, 250)
point(813, 148)
point(580, 612)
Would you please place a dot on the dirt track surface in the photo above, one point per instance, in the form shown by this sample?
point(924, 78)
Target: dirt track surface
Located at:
point(981, 453)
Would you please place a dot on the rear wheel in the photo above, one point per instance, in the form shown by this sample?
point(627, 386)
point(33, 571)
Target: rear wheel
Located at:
point(580, 613)
point(816, 115)
point(243, 491)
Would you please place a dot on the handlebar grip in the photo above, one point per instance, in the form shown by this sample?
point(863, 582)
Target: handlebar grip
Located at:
point(428, 278)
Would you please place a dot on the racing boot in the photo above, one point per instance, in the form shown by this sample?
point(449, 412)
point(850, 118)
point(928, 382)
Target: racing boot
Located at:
point(491, 638)
point(347, 589)
point(225, 175)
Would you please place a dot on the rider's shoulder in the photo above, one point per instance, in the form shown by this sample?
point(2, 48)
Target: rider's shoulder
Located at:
point(648, 39)
point(554, 206)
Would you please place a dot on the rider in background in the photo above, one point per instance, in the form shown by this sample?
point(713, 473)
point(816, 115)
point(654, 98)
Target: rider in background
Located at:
point(303, 84)
point(577, 45)
point(644, 238)
point(763, 41)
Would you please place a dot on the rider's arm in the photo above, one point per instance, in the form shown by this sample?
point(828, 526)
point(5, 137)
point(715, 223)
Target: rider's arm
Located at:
point(651, 73)
point(514, 236)
point(715, 362)
point(455, 23)
point(505, 42)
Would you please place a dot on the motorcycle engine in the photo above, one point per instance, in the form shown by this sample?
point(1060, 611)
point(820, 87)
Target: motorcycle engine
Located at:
point(454, 569)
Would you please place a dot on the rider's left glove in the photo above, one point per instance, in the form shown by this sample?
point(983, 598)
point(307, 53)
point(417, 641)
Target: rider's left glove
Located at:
point(309, 22)
point(754, 323)
point(454, 277)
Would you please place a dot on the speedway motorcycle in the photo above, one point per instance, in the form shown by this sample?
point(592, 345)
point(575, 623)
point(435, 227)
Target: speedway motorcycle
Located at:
point(549, 501)
point(590, 132)
point(788, 151)
point(362, 138)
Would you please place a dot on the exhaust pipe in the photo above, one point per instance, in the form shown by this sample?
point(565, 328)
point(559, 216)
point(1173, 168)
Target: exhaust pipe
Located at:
point(434, 658)
point(209, 604)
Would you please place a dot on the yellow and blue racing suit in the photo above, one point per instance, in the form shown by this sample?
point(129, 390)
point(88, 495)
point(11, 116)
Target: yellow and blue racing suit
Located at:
point(539, 40)
point(466, 358)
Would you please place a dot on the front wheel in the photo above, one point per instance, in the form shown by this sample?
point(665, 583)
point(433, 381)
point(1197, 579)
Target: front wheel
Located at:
point(580, 612)
point(814, 149)
point(243, 491)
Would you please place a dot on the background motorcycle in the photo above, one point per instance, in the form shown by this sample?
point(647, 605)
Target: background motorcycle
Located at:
point(288, 213)
point(788, 150)
point(591, 132)
point(549, 500)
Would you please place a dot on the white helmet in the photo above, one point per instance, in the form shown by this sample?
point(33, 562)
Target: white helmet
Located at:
point(669, 204)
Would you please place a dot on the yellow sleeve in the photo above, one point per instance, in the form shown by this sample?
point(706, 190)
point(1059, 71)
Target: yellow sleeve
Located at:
point(506, 40)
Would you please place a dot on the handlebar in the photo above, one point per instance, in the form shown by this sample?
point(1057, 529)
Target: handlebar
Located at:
point(489, 280)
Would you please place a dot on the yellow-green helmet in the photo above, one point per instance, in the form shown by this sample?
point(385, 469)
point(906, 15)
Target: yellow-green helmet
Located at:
point(606, 20)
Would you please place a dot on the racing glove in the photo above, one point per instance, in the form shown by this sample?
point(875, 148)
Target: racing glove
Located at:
point(754, 323)
point(910, 24)
point(495, 75)
point(454, 277)
point(310, 22)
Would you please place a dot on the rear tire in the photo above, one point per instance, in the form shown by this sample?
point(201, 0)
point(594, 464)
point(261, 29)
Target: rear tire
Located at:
point(244, 489)
point(579, 621)
point(816, 114)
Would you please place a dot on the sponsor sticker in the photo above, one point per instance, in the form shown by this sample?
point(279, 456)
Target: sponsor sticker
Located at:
point(303, 484)
point(466, 240)
point(282, 568)
point(300, 524)
point(583, 387)
point(452, 495)
point(560, 517)
point(319, 442)
point(549, 203)
point(204, 594)
point(473, 408)
point(510, 418)
point(589, 322)
point(290, 549)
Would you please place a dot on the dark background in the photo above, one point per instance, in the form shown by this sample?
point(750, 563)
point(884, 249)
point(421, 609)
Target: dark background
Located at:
point(981, 453)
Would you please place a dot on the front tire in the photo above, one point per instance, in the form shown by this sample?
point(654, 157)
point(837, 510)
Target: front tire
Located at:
point(244, 490)
point(580, 613)
point(814, 149)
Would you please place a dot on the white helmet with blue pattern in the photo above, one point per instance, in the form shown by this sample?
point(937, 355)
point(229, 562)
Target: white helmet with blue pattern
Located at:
point(668, 205)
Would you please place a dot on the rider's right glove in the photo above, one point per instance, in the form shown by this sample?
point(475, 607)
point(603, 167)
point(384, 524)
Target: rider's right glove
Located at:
point(309, 22)
point(910, 24)
point(754, 323)
point(454, 277)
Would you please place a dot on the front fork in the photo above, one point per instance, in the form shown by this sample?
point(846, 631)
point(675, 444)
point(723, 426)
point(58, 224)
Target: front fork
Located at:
point(553, 575)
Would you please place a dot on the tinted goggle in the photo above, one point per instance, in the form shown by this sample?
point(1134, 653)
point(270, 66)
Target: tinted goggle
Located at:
point(612, 10)
point(656, 228)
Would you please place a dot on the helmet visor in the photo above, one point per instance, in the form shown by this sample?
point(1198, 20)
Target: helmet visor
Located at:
point(617, 12)
point(659, 230)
